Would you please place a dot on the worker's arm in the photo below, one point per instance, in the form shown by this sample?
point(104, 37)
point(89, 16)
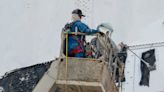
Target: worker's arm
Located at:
point(85, 29)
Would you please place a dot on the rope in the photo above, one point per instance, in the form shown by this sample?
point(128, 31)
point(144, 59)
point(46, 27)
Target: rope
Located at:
point(66, 65)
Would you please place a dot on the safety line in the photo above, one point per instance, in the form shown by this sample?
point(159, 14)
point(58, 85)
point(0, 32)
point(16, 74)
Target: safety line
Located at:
point(66, 65)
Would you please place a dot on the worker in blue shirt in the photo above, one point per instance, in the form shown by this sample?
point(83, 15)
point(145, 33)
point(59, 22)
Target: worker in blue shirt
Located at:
point(76, 42)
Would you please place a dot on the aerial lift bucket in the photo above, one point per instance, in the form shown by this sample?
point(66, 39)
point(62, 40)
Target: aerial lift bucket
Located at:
point(83, 75)
point(68, 74)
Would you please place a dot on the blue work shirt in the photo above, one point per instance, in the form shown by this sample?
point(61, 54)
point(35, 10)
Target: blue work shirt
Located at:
point(73, 40)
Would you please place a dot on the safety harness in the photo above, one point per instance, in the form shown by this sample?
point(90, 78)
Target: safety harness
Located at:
point(79, 48)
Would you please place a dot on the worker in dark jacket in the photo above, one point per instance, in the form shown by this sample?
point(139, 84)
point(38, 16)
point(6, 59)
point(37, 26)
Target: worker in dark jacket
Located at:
point(76, 42)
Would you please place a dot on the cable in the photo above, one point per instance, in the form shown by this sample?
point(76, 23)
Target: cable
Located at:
point(144, 46)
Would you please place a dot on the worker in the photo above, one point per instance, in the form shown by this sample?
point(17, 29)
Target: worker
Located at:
point(76, 42)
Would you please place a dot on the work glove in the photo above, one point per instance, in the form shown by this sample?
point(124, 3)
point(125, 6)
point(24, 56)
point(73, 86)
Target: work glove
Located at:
point(105, 28)
point(68, 26)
